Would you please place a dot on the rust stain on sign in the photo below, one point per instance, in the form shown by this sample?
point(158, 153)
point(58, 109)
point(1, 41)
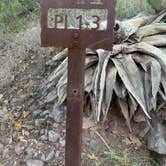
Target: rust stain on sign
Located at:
point(92, 28)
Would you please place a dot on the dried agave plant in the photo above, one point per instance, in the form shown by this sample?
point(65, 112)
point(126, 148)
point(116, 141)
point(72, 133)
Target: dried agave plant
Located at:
point(135, 71)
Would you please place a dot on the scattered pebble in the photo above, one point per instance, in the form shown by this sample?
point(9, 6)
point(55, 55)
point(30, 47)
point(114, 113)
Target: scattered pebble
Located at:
point(34, 163)
point(43, 157)
point(36, 113)
point(5, 153)
point(1, 147)
point(53, 136)
point(1, 96)
point(19, 148)
point(50, 155)
point(57, 114)
point(62, 143)
point(30, 152)
point(40, 122)
point(57, 154)
point(157, 139)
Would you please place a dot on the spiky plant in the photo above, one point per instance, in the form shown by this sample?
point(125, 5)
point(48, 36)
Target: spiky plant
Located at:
point(135, 71)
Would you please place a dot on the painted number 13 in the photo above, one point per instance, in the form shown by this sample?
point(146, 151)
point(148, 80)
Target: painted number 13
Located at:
point(96, 22)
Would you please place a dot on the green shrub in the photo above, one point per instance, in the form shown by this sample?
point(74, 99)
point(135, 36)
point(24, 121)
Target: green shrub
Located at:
point(155, 4)
point(14, 14)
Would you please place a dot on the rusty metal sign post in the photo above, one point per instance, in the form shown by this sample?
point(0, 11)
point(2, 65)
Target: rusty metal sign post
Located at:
point(77, 25)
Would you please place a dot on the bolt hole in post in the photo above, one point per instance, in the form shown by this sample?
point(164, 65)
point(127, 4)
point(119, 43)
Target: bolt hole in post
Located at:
point(77, 25)
point(75, 92)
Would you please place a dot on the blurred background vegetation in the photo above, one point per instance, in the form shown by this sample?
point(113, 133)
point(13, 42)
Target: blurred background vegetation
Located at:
point(15, 14)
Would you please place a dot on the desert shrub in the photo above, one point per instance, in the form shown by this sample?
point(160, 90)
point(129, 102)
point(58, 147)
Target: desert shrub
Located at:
point(15, 13)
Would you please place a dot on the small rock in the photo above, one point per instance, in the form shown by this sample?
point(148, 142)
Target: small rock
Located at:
point(43, 157)
point(35, 132)
point(45, 114)
point(40, 122)
point(34, 163)
point(43, 137)
point(53, 136)
point(37, 113)
point(62, 143)
point(50, 155)
point(26, 133)
point(30, 152)
point(94, 144)
point(1, 147)
point(16, 115)
point(19, 148)
point(31, 122)
point(3, 126)
point(42, 131)
point(57, 114)
point(57, 154)
point(5, 153)
point(157, 139)
point(2, 44)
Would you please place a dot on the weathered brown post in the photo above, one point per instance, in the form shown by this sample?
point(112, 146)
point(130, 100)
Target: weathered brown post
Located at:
point(90, 33)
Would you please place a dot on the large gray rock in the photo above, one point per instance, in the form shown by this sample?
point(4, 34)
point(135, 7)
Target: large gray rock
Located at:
point(157, 139)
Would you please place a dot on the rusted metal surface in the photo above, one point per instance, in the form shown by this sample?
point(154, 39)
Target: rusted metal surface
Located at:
point(77, 40)
point(88, 38)
point(75, 100)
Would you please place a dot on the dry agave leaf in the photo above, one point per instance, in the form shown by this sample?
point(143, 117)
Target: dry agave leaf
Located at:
point(130, 75)
point(102, 85)
point(140, 20)
point(152, 29)
point(163, 49)
point(61, 55)
point(103, 55)
point(62, 94)
point(120, 89)
point(163, 81)
point(62, 89)
point(160, 17)
point(51, 96)
point(131, 26)
point(133, 105)
point(147, 90)
point(90, 60)
point(89, 78)
point(156, 40)
point(58, 72)
point(61, 83)
point(125, 111)
point(150, 50)
point(148, 62)
point(111, 74)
